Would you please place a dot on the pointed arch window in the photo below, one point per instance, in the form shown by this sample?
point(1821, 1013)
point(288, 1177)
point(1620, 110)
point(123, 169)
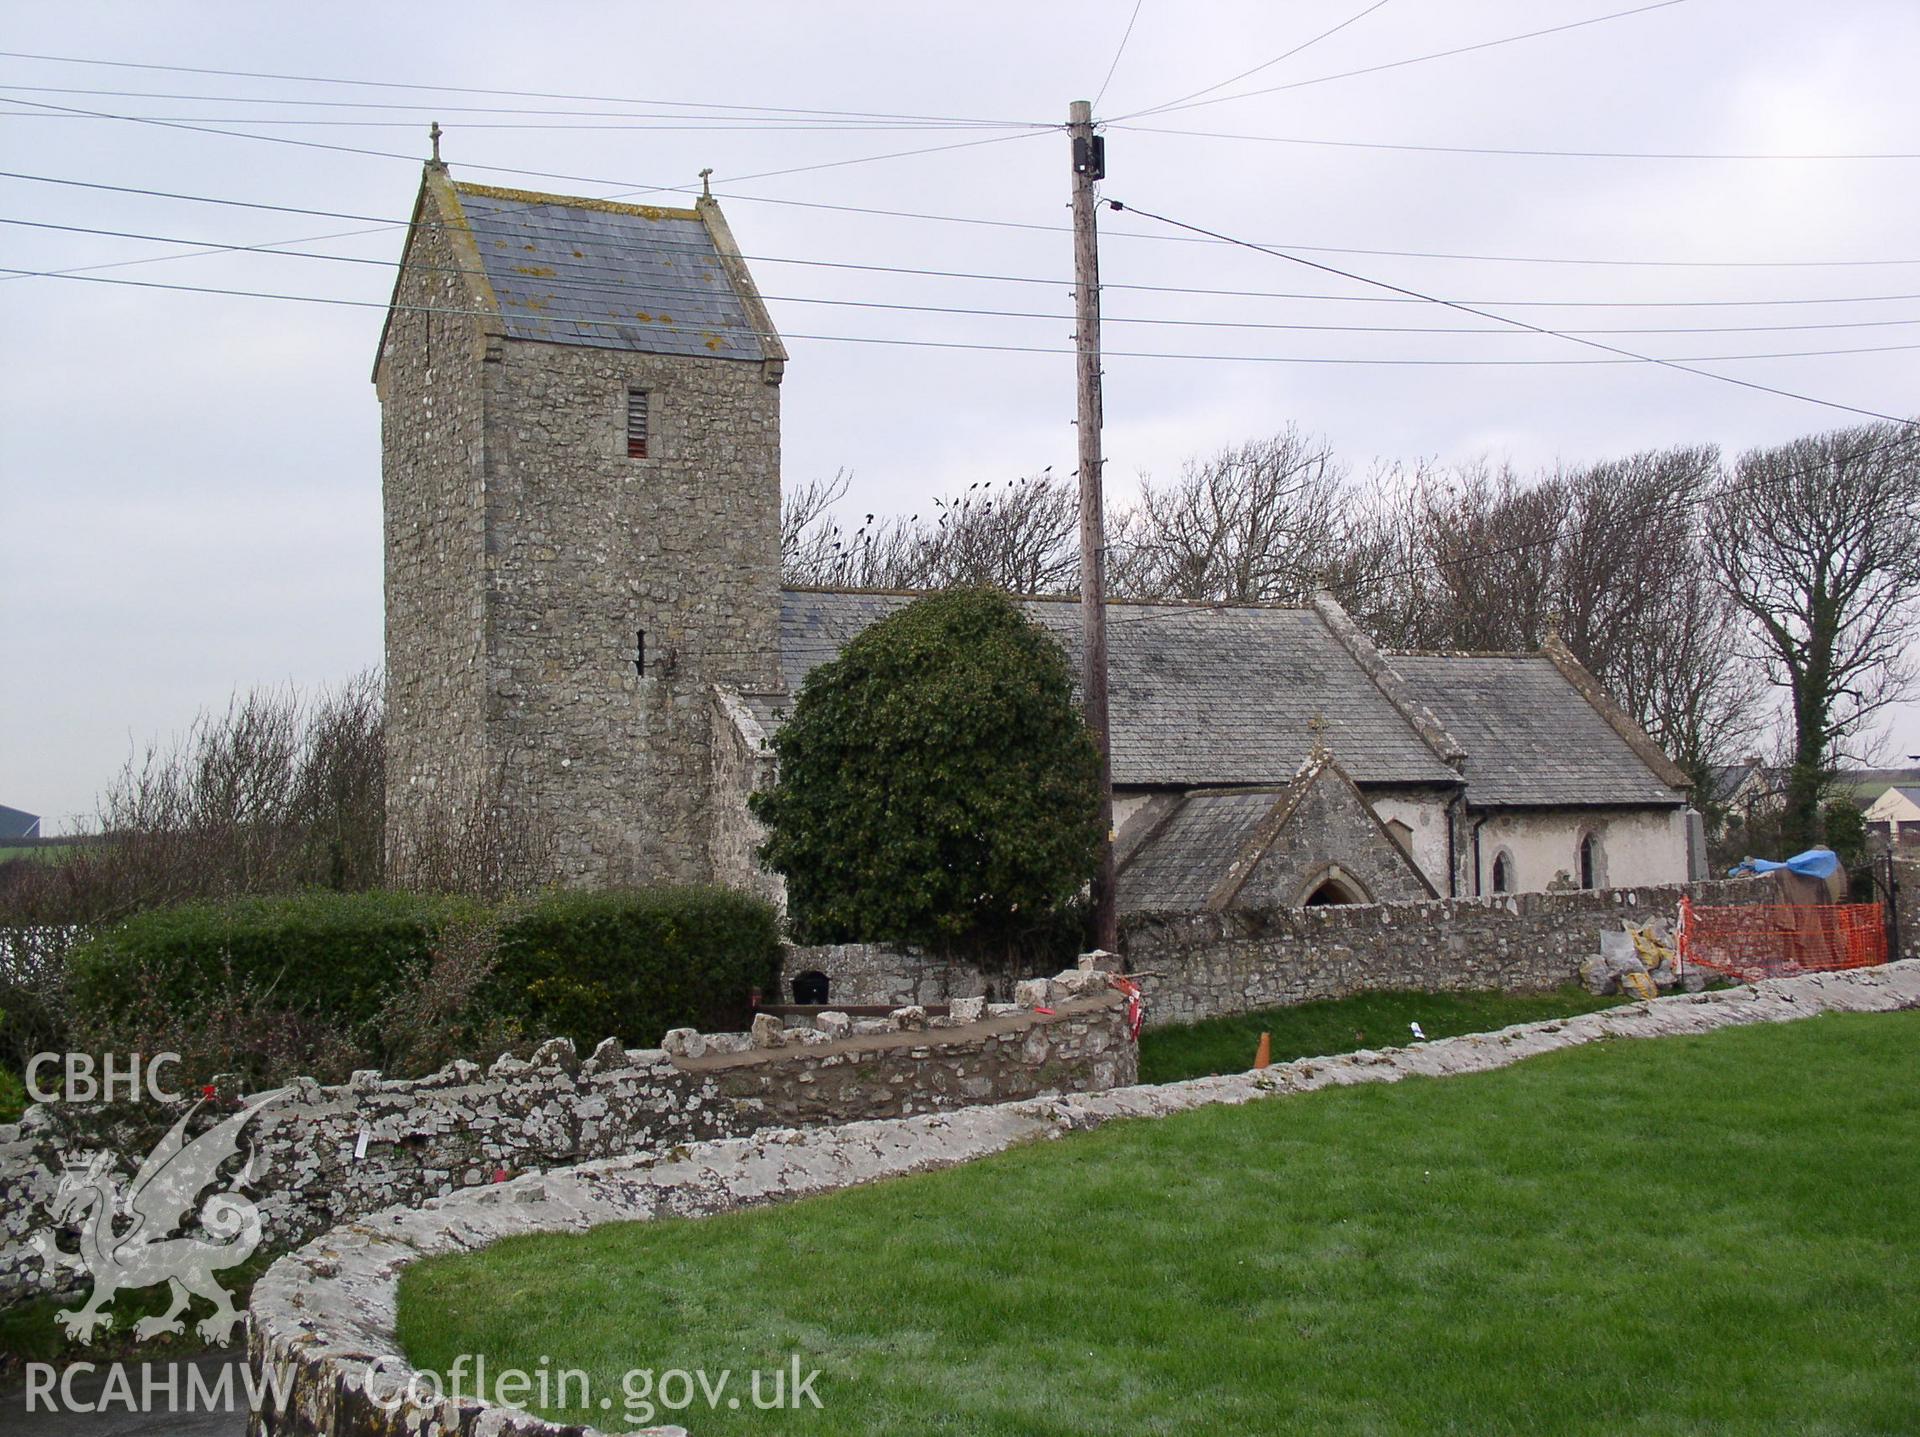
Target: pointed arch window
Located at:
point(1593, 862)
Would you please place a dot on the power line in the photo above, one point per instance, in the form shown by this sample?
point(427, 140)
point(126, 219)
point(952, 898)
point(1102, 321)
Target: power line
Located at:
point(616, 287)
point(1266, 64)
point(1045, 349)
point(760, 127)
point(1509, 149)
point(1132, 20)
point(983, 220)
point(479, 90)
point(720, 112)
point(1412, 60)
point(379, 224)
point(507, 169)
point(1684, 365)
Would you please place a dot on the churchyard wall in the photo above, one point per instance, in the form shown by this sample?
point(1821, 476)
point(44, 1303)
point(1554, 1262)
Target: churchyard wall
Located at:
point(322, 1155)
point(1202, 965)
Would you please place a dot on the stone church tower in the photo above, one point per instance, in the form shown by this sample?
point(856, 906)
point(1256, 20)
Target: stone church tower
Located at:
point(580, 429)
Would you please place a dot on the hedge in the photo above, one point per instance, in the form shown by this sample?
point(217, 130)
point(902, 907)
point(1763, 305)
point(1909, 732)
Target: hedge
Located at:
point(337, 953)
point(585, 965)
point(627, 964)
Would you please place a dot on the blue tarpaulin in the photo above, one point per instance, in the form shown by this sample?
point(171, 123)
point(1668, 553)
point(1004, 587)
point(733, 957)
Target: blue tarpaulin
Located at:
point(1814, 863)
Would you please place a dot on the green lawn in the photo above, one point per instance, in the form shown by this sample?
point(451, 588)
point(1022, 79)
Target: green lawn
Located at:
point(41, 852)
point(1690, 1235)
point(1340, 1025)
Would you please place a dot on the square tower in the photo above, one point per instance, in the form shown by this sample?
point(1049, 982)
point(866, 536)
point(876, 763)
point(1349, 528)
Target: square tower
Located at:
point(580, 432)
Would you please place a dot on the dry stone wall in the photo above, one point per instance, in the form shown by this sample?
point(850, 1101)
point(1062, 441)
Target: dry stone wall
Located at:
point(1203, 965)
point(320, 1316)
point(327, 1154)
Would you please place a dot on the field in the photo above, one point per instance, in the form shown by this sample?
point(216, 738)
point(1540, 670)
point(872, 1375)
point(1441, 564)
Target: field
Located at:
point(1342, 1025)
point(1692, 1235)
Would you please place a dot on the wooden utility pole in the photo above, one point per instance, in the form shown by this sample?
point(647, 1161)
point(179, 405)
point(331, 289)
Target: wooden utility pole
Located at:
point(1089, 166)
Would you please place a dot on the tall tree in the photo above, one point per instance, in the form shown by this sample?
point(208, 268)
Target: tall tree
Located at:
point(1818, 543)
point(1255, 524)
point(937, 785)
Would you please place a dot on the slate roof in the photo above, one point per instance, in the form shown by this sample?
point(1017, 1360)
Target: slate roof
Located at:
point(17, 823)
point(1198, 696)
point(1531, 739)
point(1177, 868)
point(613, 276)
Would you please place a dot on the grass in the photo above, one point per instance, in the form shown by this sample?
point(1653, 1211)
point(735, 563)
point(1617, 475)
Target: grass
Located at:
point(13, 1095)
point(1694, 1235)
point(38, 852)
point(1341, 1025)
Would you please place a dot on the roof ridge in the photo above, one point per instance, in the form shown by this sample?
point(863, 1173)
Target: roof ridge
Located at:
point(575, 202)
point(1463, 654)
point(1196, 605)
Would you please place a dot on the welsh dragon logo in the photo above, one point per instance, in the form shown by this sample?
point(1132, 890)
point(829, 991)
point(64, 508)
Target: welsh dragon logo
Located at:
point(156, 1205)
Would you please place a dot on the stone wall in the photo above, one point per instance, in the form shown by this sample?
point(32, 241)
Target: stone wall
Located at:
point(1201, 965)
point(319, 1316)
point(742, 765)
point(863, 974)
point(525, 550)
point(327, 1154)
point(586, 546)
point(432, 493)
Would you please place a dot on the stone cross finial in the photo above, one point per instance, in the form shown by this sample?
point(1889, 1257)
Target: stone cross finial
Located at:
point(433, 134)
point(706, 189)
point(1318, 723)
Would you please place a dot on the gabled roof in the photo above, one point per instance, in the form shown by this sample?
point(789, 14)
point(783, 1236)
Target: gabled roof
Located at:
point(17, 823)
point(612, 276)
point(566, 270)
point(1531, 738)
point(1217, 849)
point(1198, 695)
point(1177, 867)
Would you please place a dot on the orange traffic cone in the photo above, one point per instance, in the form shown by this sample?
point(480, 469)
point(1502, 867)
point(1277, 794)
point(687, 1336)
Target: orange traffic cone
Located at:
point(1263, 1055)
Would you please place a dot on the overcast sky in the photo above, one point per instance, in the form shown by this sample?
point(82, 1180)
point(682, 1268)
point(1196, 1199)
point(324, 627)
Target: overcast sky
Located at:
point(189, 483)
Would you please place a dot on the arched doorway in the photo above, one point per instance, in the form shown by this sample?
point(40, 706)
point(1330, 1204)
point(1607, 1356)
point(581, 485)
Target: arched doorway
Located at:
point(1333, 887)
point(810, 987)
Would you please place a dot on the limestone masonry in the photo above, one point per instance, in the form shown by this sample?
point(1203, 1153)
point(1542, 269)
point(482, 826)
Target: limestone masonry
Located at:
point(530, 547)
point(318, 1316)
point(327, 1154)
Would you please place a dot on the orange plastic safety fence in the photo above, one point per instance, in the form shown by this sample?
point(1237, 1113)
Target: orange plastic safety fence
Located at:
point(1776, 940)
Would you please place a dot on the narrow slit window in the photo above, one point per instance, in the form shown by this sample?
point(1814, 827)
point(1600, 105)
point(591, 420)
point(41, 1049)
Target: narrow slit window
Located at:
point(636, 424)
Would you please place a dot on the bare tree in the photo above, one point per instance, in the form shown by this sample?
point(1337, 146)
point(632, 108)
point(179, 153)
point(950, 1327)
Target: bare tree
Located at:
point(1818, 543)
point(1259, 523)
point(1383, 571)
point(1491, 539)
point(1020, 535)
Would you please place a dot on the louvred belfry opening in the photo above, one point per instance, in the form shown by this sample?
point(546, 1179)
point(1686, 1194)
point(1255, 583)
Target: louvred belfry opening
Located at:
point(636, 424)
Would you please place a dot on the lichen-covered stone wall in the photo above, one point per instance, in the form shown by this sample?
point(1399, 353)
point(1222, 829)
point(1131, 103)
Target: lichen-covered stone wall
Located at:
point(320, 1316)
point(1202, 965)
point(585, 547)
point(433, 486)
point(323, 1154)
point(742, 764)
